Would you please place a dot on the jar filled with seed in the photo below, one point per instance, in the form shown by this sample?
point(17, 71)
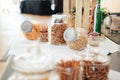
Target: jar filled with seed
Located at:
point(30, 29)
point(76, 38)
point(57, 30)
point(43, 33)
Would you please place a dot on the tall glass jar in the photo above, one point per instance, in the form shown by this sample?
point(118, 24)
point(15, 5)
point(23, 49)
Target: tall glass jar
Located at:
point(58, 27)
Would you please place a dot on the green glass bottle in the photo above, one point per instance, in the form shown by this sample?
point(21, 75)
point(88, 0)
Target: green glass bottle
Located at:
point(97, 18)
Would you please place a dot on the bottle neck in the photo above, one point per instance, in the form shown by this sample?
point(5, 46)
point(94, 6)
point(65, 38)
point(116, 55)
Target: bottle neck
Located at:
point(98, 1)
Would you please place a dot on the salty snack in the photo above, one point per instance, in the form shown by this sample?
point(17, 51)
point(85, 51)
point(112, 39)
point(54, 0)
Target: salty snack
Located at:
point(75, 39)
point(69, 70)
point(57, 31)
point(95, 70)
point(94, 66)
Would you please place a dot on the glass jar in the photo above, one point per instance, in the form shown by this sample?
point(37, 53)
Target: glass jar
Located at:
point(76, 38)
point(43, 36)
point(95, 66)
point(58, 27)
point(33, 65)
point(94, 39)
point(69, 69)
point(30, 29)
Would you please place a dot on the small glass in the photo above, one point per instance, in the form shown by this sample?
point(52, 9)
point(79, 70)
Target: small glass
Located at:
point(94, 39)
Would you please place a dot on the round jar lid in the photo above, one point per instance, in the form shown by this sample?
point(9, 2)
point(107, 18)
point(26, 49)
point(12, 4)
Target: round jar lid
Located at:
point(26, 26)
point(70, 34)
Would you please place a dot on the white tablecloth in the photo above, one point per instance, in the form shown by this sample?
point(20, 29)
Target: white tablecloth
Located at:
point(22, 45)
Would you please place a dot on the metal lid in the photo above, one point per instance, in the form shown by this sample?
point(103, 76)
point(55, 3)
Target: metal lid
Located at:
point(26, 26)
point(70, 34)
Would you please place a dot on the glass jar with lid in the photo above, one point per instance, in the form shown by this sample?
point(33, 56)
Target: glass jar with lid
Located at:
point(76, 38)
point(30, 29)
point(58, 27)
point(34, 65)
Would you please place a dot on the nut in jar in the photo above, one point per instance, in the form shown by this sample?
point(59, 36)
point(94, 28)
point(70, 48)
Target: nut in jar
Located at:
point(30, 30)
point(76, 39)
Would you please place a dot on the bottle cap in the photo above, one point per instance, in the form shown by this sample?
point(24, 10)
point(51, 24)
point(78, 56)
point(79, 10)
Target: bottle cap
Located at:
point(26, 26)
point(70, 34)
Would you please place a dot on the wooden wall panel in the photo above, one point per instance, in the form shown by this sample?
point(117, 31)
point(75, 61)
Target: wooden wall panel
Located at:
point(66, 6)
point(86, 14)
point(78, 16)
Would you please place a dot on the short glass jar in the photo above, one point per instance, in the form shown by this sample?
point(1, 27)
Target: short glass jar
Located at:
point(94, 39)
point(95, 66)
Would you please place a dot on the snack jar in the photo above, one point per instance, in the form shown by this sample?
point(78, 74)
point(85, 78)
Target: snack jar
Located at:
point(58, 27)
point(33, 65)
point(95, 66)
point(30, 29)
point(94, 39)
point(43, 35)
point(76, 38)
point(69, 68)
